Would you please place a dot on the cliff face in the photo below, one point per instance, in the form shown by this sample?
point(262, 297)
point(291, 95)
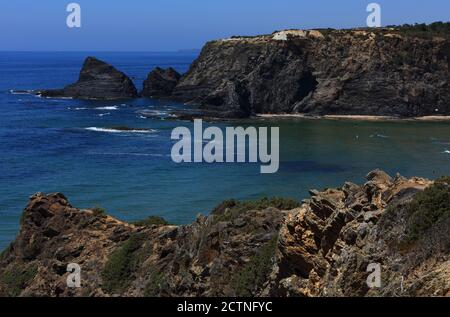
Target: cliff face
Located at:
point(375, 72)
point(270, 247)
point(98, 80)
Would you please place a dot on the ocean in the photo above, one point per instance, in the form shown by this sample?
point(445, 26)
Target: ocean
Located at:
point(67, 146)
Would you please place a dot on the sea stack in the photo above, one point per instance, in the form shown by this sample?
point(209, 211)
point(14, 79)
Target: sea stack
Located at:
point(98, 80)
point(160, 82)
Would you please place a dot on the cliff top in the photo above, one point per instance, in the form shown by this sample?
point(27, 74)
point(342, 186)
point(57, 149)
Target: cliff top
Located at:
point(430, 31)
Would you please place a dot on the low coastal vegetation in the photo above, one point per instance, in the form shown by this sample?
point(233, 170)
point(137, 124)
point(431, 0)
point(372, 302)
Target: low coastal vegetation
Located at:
point(424, 30)
point(122, 264)
point(428, 208)
point(230, 209)
point(420, 215)
point(99, 211)
point(255, 272)
point(156, 282)
point(151, 221)
point(16, 279)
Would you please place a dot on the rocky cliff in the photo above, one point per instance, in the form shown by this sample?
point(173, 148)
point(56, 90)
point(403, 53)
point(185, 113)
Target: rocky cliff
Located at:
point(360, 72)
point(98, 80)
point(276, 247)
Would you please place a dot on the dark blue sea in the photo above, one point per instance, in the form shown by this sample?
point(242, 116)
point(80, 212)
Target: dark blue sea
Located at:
point(63, 145)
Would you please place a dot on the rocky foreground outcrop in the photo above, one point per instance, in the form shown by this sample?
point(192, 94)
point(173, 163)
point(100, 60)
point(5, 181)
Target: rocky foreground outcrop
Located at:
point(275, 247)
point(347, 72)
point(98, 80)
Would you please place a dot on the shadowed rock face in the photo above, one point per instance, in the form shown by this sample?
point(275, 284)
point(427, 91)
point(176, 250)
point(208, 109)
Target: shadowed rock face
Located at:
point(373, 72)
point(160, 82)
point(321, 248)
point(98, 80)
point(326, 246)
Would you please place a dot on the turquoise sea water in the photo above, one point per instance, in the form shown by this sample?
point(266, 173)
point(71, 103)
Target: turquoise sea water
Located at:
point(57, 145)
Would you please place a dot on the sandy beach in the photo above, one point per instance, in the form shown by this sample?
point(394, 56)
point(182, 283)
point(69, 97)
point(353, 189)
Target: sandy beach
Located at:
point(356, 117)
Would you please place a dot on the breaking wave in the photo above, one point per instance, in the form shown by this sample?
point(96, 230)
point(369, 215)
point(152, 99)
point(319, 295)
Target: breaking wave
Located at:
point(113, 130)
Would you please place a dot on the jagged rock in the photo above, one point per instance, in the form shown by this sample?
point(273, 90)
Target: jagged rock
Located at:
point(160, 82)
point(321, 248)
point(98, 80)
point(194, 260)
point(346, 245)
point(379, 177)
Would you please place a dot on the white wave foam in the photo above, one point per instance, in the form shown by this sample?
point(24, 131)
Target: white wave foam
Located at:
point(154, 113)
point(446, 152)
point(130, 154)
point(109, 130)
point(381, 136)
point(104, 114)
point(107, 108)
point(20, 92)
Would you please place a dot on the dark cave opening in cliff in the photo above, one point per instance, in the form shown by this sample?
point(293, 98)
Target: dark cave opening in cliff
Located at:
point(307, 84)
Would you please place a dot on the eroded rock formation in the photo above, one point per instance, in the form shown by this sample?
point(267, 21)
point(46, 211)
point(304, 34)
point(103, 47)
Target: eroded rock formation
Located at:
point(98, 80)
point(321, 247)
point(160, 82)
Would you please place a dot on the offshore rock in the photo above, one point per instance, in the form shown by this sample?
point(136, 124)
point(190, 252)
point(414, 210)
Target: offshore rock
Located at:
point(160, 82)
point(97, 80)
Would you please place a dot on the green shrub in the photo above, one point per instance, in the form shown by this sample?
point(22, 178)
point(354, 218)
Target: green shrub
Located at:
point(156, 283)
point(427, 208)
point(423, 30)
point(98, 211)
point(255, 272)
point(230, 209)
point(121, 265)
point(326, 32)
point(151, 221)
point(17, 278)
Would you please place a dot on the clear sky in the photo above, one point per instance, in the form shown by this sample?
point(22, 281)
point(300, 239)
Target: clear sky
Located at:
point(166, 25)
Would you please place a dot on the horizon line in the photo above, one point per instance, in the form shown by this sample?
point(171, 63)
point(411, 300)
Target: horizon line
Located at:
point(101, 51)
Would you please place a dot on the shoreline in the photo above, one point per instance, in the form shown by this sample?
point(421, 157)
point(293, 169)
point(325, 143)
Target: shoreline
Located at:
point(371, 118)
point(355, 117)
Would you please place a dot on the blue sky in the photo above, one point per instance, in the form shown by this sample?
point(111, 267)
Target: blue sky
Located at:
point(166, 25)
